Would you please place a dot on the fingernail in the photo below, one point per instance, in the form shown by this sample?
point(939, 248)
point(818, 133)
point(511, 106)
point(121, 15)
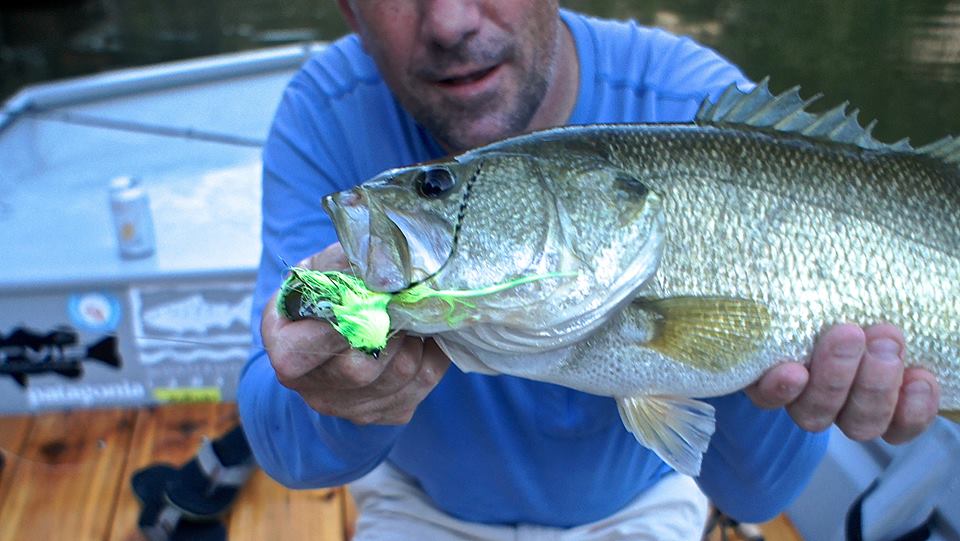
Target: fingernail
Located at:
point(917, 394)
point(884, 348)
point(847, 350)
point(918, 388)
point(406, 366)
point(787, 390)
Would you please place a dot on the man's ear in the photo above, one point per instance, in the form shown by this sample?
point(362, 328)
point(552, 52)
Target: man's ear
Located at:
point(347, 10)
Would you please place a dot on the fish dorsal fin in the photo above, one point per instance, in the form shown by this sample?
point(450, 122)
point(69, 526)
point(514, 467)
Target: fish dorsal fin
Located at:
point(946, 149)
point(786, 112)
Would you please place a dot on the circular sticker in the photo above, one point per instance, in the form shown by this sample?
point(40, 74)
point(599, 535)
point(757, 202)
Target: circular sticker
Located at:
point(98, 312)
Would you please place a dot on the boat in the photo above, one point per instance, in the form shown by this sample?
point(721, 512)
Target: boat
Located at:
point(191, 132)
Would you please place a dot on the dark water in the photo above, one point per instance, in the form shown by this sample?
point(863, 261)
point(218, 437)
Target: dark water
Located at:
point(897, 60)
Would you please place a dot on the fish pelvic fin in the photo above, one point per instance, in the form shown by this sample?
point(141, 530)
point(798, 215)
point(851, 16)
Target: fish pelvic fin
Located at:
point(677, 429)
point(709, 333)
point(952, 415)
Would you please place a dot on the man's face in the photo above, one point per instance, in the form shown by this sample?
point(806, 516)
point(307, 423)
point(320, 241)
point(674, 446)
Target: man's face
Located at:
point(470, 71)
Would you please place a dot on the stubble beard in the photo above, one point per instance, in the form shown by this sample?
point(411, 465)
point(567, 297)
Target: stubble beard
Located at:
point(458, 127)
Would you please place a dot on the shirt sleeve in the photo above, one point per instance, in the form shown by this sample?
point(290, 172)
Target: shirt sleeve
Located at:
point(758, 461)
point(293, 443)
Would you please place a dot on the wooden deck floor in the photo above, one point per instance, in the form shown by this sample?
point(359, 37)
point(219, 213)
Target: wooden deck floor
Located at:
point(68, 473)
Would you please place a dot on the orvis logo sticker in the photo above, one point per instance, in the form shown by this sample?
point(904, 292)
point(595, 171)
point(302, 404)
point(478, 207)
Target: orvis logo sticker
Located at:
point(99, 312)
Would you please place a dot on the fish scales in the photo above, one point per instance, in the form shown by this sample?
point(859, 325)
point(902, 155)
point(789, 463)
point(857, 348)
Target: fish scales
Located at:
point(819, 233)
point(668, 261)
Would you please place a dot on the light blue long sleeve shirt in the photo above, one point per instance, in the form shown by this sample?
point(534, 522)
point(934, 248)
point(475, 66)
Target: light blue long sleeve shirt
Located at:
point(491, 449)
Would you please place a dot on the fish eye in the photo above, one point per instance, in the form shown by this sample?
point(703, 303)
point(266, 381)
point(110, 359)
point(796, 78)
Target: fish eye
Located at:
point(434, 182)
point(631, 186)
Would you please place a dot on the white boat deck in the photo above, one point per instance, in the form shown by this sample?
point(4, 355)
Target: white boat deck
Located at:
point(191, 131)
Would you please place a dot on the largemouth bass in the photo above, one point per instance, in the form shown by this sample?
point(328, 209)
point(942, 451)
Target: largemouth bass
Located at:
point(670, 261)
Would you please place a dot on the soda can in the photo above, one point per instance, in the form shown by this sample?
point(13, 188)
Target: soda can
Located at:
point(132, 220)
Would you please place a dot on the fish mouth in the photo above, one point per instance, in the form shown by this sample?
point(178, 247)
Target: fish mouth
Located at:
point(389, 249)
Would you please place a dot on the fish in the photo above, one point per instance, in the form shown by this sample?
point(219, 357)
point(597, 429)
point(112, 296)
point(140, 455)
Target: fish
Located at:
point(26, 352)
point(667, 263)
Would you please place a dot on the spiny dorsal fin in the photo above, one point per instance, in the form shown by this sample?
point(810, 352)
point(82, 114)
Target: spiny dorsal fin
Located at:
point(946, 149)
point(786, 112)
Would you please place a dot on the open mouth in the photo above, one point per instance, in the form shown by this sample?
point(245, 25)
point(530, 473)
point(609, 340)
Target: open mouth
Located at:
point(468, 78)
point(388, 248)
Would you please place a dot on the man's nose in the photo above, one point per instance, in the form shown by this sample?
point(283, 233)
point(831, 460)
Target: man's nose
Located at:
point(448, 22)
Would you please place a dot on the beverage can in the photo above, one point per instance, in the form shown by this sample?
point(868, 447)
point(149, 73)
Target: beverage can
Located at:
point(132, 220)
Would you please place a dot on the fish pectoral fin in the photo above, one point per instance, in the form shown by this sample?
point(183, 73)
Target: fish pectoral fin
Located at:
point(708, 333)
point(677, 429)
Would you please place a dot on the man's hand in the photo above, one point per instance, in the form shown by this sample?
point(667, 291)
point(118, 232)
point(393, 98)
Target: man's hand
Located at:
point(311, 358)
point(857, 380)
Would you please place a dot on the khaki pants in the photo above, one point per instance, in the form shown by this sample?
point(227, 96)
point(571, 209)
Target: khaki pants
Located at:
point(392, 508)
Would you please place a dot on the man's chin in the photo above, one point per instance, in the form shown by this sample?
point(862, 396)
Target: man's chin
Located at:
point(472, 134)
point(460, 125)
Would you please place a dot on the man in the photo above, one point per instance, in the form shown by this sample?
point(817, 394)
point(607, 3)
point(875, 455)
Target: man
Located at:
point(457, 455)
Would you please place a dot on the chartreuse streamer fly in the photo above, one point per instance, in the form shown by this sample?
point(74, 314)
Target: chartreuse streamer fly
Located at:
point(359, 314)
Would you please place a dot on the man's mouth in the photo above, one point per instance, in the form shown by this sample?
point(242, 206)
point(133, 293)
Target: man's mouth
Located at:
point(467, 78)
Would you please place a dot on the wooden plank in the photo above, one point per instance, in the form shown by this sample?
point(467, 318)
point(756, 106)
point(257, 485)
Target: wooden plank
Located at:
point(778, 529)
point(13, 435)
point(66, 483)
point(267, 510)
point(169, 434)
point(349, 515)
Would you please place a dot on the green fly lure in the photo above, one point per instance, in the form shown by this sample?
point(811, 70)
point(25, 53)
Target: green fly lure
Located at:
point(360, 314)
